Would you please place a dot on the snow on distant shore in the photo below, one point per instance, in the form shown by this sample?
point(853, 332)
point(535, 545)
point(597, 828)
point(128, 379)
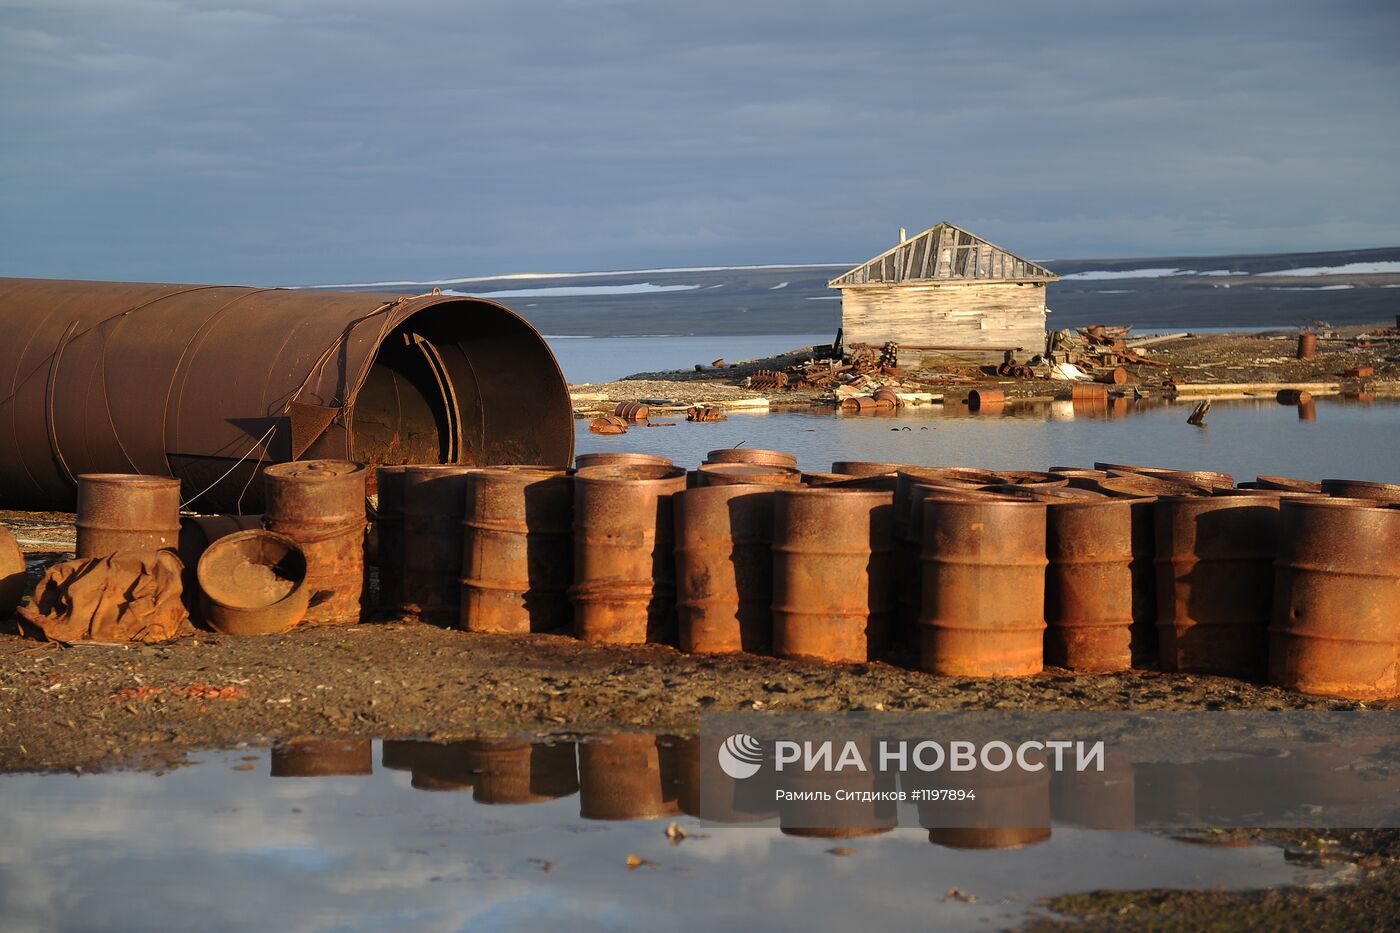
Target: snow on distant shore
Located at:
point(1099, 274)
point(525, 276)
point(1351, 268)
point(574, 291)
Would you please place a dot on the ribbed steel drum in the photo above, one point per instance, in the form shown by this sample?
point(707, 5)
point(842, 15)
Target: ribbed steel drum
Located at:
point(434, 499)
point(320, 504)
point(127, 512)
point(751, 455)
point(1089, 584)
point(724, 568)
point(388, 526)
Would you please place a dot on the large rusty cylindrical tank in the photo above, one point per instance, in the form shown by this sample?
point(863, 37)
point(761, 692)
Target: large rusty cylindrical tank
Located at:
point(434, 499)
point(320, 504)
point(388, 532)
point(983, 604)
point(126, 512)
point(517, 550)
point(724, 568)
point(1336, 624)
point(624, 590)
point(1089, 584)
point(1215, 583)
point(833, 574)
point(212, 383)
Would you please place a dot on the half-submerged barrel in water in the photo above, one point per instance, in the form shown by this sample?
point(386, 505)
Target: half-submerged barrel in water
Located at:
point(517, 549)
point(1336, 626)
point(833, 574)
point(983, 606)
point(624, 590)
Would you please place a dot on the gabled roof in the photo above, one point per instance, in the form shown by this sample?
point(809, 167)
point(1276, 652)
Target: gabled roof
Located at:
point(944, 254)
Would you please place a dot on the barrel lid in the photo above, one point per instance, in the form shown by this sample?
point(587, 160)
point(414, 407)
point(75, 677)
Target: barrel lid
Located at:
point(314, 469)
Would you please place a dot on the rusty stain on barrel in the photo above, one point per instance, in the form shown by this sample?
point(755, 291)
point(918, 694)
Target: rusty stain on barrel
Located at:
point(724, 569)
point(628, 777)
point(127, 512)
point(1357, 489)
point(434, 498)
point(1215, 581)
point(388, 522)
point(751, 455)
point(320, 504)
point(833, 574)
point(983, 600)
point(624, 566)
point(1089, 584)
point(1307, 346)
point(517, 550)
point(728, 474)
point(1335, 630)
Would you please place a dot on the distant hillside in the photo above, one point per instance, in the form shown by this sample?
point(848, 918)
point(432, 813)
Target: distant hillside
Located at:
point(1252, 290)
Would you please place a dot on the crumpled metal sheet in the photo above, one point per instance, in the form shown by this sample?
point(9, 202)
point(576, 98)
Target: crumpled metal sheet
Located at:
point(128, 596)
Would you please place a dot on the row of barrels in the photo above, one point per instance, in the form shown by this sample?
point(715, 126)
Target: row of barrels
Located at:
point(981, 573)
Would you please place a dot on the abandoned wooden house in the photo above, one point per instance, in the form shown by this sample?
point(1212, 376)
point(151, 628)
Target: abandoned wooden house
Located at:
point(946, 291)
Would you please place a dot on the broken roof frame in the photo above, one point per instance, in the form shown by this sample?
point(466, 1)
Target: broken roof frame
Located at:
point(943, 254)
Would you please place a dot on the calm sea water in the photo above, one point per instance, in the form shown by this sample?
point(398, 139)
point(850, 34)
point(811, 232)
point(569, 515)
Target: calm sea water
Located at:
point(1335, 438)
point(424, 839)
point(602, 359)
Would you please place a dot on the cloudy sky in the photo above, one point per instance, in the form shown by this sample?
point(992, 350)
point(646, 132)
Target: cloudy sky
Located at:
point(304, 141)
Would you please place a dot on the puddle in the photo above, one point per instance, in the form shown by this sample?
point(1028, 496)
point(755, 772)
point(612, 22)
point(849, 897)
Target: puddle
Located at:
point(506, 834)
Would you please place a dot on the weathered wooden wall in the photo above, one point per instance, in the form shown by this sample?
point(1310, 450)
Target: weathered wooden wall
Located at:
point(983, 314)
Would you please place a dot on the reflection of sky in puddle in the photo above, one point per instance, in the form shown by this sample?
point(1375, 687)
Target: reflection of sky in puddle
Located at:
point(1334, 438)
point(217, 848)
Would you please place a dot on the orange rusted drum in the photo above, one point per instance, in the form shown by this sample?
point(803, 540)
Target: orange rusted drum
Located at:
point(1201, 479)
point(833, 574)
point(624, 587)
point(197, 532)
point(320, 504)
point(434, 499)
point(628, 777)
point(730, 474)
point(983, 600)
point(1287, 483)
point(388, 527)
point(1089, 392)
point(724, 568)
point(632, 411)
point(606, 459)
point(323, 758)
point(253, 583)
point(516, 772)
point(1089, 583)
point(1336, 623)
point(751, 455)
point(990, 399)
point(517, 550)
point(865, 467)
point(12, 581)
point(1293, 397)
point(1215, 582)
point(127, 512)
point(1307, 346)
point(1356, 489)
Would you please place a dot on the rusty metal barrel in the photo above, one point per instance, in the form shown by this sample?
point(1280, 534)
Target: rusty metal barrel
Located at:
point(1336, 621)
point(320, 504)
point(624, 587)
point(978, 399)
point(388, 528)
point(632, 411)
point(1287, 483)
point(127, 512)
point(1293, 397)
point(614, 459)
point(323, 758)
point(730, 474)
point(983, 600)
point(1307, 346)
point(1357, 489)
point(865, 467)
point(517, 550)
point(210, 383)
point(1089, 584)
point(434, 499)
point(1089, 392)
point(12, 581)
point(1215, 583)
point(751, 455)
point(724, 569)
point(253, 583)
point(833, 574)
point(628, 777)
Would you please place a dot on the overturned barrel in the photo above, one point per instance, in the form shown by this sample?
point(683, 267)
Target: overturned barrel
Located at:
point(320, 504)
point(1089, 584)
point(983, 601)
point(624, 587)
point(1215, 583)
point(833, 574)
point(517, 550)
point(211, 383)
point(434, 498)
point(388, 527)
point(1335, 627)
point(724, 568)
point(127, 512)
